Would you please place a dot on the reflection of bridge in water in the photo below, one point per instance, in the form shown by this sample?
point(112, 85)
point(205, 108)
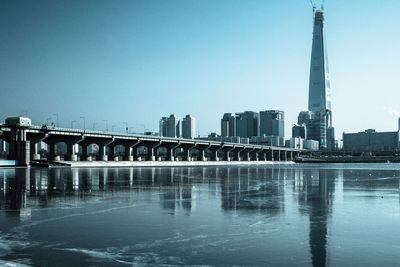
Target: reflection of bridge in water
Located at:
point(23, 146)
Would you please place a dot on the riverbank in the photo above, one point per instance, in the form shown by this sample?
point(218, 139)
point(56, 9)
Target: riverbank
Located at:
point(349, 159)
point(96, 164)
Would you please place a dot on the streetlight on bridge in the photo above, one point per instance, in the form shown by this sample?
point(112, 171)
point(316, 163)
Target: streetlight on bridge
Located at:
point(106, 121)
point(56, 115)
point(126, 126)
point(84, 122)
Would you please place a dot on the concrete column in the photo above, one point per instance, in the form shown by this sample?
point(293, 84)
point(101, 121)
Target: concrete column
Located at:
point(102, 153)
point(135, 153)
point(226, 155)
point(51, 153)
point(236, 155)
point(128, 154)
point(150, 154)
point(23, 153)
point(272, 155)
point(71, 156)
point(84, 153)
point(186, 154)
point(291, 155)
point(170, 154)
point(202, 156)
point(255, 156)
point(214, 155)
point(111, 153)
point(34, 150)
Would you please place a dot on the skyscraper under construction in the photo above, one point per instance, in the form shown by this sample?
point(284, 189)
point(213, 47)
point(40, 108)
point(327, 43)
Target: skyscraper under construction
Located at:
point(319, 120)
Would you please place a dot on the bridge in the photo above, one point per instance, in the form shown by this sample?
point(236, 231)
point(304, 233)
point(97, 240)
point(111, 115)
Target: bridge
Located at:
point(24, 140)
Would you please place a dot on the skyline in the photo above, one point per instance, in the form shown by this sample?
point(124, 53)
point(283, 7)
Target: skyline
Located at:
point(237, 57)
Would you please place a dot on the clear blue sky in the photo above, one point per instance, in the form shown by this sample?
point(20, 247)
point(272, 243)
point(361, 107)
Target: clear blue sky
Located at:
point(136, 61)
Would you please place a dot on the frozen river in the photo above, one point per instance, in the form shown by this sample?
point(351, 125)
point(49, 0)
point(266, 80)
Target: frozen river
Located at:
point(296, 215)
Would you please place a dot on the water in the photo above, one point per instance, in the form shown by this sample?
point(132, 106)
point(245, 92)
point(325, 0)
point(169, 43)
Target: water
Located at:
point(310, 215)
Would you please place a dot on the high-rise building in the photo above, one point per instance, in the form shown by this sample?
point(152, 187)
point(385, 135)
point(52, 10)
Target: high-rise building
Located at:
point(319, 97)
point(170, 126)
point(247, 124)
point(188, 127)
point(299, 131)
point(272, 123)
point(163, 126)
point(228, 125)
point(304, 117)
point(318, 118)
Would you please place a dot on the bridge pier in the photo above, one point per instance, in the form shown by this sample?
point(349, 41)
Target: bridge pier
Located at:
point(277, 155)
point(254, 155)
point(202, 151)
point(227, 153)
point(71, 154)
point(84, 155)
point(270, 155)
point(202, 156)
point(246, 156)
point(237, 152)
point(128, 153)
point(135, 152)
point(151, 156)
point(51, 153)
point(34, 151)
point(171, 152)
point(103, 152)
point(214, 154)
point(262, 156)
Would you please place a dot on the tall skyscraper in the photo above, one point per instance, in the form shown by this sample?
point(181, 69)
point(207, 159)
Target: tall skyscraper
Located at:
point(318, 120)
point(272, 123)
point(170, 126)
point(188, 127)
point(228, 125)
point(163, 126)
point(247, 124)
point(319, 97)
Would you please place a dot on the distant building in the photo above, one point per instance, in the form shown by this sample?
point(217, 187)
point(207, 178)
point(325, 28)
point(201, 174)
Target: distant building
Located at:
point(304, 117)
point(299, 131)
point(163, 128)
point(170, 126)
point(311, 145)
point(188, 127)
point(228, 125)
point(330, 138)
point(272, 123)
point(247, 124)
point(272, 140)
point(229, 139)
point(317, 127)
point(370, 140)
point(295, 142)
